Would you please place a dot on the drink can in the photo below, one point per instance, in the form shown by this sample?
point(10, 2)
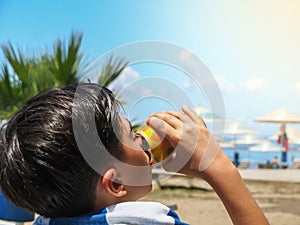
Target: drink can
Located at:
point(160, 148)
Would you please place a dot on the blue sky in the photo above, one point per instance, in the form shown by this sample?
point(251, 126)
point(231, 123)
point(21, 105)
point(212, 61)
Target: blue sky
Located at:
point(251, 47)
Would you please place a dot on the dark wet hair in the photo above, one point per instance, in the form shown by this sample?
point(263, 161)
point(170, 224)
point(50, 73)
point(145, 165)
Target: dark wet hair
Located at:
point(41, 166)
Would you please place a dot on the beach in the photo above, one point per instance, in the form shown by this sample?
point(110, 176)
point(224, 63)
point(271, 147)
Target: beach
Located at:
point(199, 207)
point(276, 191)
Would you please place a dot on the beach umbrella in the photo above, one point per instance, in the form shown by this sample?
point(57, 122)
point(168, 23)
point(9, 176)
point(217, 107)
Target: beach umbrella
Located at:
point(235, 129)
point(281, 116)
point(265, 146)
point(247, 141)
point(226, 145)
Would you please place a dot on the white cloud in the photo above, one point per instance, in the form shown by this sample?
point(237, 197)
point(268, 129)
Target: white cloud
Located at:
point(297, 87)
point(255, 84)
point(126, 77)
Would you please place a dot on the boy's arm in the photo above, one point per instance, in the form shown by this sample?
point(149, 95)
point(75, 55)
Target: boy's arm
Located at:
point(225, 179)
point(207, 161)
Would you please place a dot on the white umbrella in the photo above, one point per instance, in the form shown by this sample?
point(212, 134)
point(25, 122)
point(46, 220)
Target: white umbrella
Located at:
point(213, 122)
point(226, 145)
point(247, 141)
point(265, 146)
point(236, 128)
point(279, 116)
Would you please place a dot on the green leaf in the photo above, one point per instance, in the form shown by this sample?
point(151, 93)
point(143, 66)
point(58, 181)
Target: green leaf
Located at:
point(111, 71)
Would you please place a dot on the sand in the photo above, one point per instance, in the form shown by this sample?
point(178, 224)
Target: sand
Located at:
point(198, 207)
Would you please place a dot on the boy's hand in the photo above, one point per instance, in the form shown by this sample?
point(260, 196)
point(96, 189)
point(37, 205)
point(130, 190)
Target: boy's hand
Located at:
point(195, 147)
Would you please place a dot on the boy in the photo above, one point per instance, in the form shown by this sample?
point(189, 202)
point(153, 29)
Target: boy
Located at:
point(69, 156)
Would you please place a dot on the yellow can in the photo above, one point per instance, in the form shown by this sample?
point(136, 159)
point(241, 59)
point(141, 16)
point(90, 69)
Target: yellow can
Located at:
point(160, 149)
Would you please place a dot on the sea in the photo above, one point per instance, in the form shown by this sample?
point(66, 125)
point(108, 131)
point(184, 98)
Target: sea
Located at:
point(262, 157)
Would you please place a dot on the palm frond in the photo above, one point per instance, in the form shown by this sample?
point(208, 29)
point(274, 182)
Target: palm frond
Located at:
point(9, 93)
point(16, 61)
point(111, 71)
point(65, 64)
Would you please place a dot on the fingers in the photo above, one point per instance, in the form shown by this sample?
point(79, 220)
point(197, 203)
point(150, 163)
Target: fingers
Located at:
point(193, 115)
point(167, 125)
point(172, 118)
point(160, 126)
point(173, 113)
point(172, 124)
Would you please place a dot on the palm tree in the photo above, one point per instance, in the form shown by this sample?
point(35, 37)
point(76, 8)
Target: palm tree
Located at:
point(22, 77)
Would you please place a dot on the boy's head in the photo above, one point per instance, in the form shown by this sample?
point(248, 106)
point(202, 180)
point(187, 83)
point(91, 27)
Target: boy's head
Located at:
point(41, 165)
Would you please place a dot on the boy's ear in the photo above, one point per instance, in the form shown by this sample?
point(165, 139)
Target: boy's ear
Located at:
point(112, 184)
